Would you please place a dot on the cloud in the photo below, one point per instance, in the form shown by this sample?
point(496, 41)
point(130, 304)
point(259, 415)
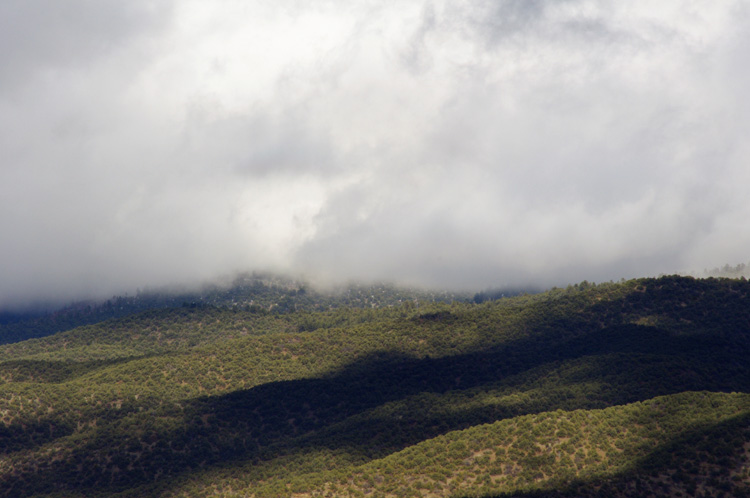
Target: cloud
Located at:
point(43, 36)
point(469, 143)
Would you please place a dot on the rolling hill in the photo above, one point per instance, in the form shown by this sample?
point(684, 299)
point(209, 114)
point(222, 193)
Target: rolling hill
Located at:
point(620, 389)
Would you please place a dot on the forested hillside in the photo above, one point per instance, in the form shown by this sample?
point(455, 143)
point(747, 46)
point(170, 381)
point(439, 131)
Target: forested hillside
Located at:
point(249, 292)
point(628, 389)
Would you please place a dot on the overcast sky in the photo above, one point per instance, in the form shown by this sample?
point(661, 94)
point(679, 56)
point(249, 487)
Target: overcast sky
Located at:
point(444, 143)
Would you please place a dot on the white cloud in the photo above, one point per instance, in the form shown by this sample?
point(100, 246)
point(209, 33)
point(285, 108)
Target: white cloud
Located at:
point(466, 143)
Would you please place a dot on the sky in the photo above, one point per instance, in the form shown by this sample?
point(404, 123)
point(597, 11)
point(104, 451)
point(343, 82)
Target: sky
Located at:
point(464, 144)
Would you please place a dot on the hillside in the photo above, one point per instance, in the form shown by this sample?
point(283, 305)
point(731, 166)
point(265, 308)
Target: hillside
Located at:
point(640, 387)
point(256, 292)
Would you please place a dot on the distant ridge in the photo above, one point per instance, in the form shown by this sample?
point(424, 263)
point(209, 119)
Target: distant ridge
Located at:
point(256, 291)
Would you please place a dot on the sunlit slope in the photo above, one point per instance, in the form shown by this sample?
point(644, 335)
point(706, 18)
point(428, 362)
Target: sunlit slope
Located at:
point(681, 442)
point(197, 400)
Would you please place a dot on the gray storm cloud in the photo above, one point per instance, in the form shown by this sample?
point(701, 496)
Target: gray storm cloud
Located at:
point(467, 144)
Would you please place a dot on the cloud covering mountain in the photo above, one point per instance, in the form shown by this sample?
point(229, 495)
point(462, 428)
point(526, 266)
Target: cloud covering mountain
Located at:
point(452, 143)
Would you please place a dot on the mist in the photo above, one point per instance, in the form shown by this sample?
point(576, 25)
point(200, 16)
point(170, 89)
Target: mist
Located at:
point(464, 145)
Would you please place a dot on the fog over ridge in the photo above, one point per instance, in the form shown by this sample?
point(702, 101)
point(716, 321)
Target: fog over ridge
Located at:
point(465, 144)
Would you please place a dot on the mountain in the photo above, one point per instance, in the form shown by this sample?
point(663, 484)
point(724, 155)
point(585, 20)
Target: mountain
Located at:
point(256, 291)
point(621, 389)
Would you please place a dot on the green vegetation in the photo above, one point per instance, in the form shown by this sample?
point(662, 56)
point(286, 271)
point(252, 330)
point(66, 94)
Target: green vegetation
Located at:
point(258, 293)
point(630, 389)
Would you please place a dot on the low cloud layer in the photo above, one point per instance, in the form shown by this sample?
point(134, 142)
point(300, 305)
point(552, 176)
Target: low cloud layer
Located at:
point(464, 144)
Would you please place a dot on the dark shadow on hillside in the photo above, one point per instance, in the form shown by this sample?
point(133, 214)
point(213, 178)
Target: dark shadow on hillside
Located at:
point(47, 427)
point(702, 462)
point(283, 417)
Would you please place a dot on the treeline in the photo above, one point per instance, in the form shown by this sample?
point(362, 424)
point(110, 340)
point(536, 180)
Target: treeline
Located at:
point(258, 293)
